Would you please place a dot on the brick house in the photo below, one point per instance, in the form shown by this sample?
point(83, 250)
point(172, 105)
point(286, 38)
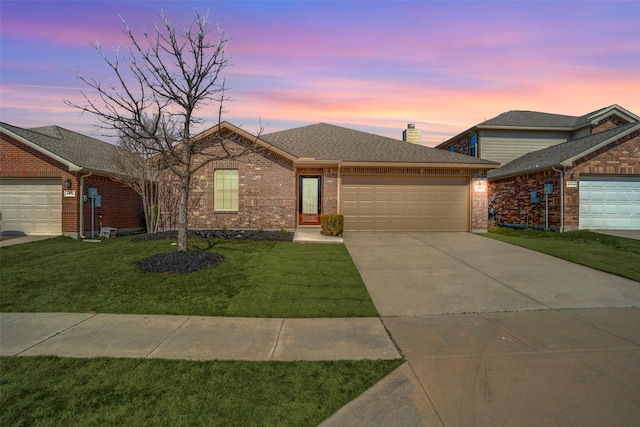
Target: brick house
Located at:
point(377, 183)
point(587, 183)
point(45, 176)
point(537, 148)
point(515, 133)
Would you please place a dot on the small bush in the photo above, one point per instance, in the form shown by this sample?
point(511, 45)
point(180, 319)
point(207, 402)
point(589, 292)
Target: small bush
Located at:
point(332, 225)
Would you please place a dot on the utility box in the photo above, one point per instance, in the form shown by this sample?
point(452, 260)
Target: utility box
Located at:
point(534, 197)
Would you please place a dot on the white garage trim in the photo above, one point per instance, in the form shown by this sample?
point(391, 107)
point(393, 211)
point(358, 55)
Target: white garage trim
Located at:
point(32, 206)
point(396, 203)
point(609, 203)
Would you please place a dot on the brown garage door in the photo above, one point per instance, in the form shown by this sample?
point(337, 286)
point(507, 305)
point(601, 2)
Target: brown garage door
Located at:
point(388, 203)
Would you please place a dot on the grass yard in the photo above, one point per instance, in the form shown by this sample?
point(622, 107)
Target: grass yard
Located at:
point(49, 391)
point(612, 254)
point(257, 279)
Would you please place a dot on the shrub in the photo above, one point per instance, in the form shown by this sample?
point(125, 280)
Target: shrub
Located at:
point(332, 225)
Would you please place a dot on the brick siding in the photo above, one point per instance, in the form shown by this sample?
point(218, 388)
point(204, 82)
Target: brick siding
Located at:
point(120, 204)
point(266, 194)
point(512, 195)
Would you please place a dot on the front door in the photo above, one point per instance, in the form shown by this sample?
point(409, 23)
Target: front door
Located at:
point(310, 198)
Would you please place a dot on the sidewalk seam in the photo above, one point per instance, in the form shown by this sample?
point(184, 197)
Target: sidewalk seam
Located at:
point(277, 340)
point(147, 356)
point(92, 315)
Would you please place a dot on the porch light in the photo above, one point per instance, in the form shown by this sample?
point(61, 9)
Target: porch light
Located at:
point(67, 183)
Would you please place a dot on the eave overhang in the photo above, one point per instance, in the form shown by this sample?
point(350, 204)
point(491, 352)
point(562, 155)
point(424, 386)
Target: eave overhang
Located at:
point(72, 166)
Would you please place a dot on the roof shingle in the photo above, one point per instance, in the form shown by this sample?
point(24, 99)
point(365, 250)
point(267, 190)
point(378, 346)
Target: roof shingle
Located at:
point(323, 141)
point(81, 150)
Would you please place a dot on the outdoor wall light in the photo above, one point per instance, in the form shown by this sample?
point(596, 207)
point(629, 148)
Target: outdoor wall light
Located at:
point(67, 183)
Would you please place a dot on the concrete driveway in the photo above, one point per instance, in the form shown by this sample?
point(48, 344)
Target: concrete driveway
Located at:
point(497, 335)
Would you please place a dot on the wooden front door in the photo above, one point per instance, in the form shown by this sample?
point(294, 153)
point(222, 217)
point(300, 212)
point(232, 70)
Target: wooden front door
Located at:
point(310, 200)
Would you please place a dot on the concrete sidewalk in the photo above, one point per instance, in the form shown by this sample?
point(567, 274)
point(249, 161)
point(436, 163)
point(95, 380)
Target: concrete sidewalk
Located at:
point(193, 338)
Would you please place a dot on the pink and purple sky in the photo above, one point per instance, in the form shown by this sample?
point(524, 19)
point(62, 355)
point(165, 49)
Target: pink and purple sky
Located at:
point(368, 65)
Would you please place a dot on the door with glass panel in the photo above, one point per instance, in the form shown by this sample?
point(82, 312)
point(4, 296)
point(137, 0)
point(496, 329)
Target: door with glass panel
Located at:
point(310, 200)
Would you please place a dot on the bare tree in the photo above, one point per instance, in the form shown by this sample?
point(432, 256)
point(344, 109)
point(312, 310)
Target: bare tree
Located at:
point(142, 171)
point(160, 85)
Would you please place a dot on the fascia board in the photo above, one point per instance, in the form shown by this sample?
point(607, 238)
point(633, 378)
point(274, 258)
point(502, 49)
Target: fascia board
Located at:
point(72, 166)
point(244, 134)
point(621, 112)
point(521, 172)
point(422, 165)
point(528, 128)
point(569, 162)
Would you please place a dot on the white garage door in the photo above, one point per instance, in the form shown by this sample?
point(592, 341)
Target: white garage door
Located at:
point(33, 206)
point(375, 203)
point(610, 203)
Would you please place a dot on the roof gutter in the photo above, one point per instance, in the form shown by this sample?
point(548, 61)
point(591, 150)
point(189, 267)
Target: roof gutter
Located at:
point(72, 166)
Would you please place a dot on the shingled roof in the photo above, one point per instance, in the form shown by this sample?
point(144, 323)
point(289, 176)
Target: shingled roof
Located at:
point(77, 150)
point(561, 153)
point(327, 142)
point(535, 119)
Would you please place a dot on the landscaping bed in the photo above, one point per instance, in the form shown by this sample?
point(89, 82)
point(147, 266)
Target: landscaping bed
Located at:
point(253, 235)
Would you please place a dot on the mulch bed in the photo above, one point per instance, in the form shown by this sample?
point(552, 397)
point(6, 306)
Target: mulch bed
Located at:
point(180, 262)
point(277, 236)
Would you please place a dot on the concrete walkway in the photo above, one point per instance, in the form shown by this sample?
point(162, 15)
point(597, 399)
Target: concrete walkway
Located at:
point(194, 338)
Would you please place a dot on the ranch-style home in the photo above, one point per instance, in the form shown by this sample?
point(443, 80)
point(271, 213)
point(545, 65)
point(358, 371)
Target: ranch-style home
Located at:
point(51, 179)
point(560, 172)
point(377, 183)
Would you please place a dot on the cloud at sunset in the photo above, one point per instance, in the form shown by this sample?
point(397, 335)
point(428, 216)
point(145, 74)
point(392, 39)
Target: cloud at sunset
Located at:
point(372, 66)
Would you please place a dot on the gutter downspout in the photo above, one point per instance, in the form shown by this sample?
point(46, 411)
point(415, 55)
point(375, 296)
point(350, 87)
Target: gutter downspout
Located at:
point(561, 197)
point(339, 185)
point(81, 234)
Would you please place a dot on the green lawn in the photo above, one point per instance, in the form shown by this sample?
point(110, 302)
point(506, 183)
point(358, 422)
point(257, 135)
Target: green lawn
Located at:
point(612, 254)
point(49, 391)
point(257, 279)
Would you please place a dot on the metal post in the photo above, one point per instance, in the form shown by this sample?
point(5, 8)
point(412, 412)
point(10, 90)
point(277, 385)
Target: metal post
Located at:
point(546, 211)
point(92, 215)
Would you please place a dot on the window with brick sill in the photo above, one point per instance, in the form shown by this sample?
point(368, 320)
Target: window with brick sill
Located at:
point(225, 190)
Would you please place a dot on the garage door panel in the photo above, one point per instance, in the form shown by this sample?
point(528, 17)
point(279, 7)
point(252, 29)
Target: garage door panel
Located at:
point(609, 202)
point(403, 203)
point(31, 206)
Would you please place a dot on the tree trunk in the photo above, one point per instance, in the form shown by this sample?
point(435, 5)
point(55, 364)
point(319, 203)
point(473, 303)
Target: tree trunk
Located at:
point(185, 180)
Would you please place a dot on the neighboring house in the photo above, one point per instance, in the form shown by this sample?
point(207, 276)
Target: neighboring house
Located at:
point(591, 183)
point(377, 183)
point(589, 162)
point(515, 133)
point(45, 176)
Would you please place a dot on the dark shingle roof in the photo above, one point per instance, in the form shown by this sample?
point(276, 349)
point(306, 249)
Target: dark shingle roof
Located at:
point(323, 141)
point(556, 154)
point(533, 119)
point(86, 152)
